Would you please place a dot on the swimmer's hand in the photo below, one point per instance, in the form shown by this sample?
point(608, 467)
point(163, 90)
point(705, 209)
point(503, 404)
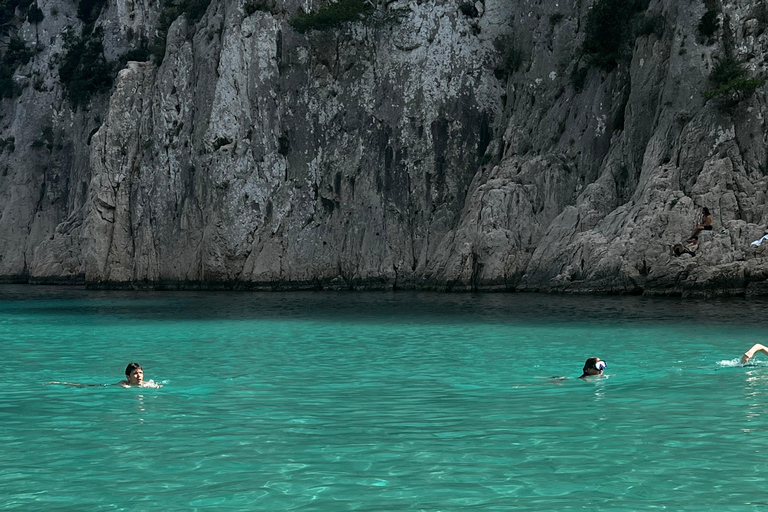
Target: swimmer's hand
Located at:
point(746, 357)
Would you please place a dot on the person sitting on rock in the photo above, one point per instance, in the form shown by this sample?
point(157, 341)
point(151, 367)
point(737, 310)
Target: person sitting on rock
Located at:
point(706, 225)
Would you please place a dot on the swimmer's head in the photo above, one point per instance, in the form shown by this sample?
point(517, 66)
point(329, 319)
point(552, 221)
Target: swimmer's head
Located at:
point(134, 374)
point(593, 366)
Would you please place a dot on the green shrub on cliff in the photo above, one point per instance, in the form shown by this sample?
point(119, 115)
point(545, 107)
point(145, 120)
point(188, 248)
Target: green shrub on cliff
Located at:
point(8, 144)
point(7, 14)
point(89, 10)
point(45, 140)
point(168, 15)
point(193, 10)
point(709, 23)
point(648, 24)
point(330, 16)
point(610, 31)
point(760, 15)
point(17, 53)
point(259, 5)
point(731, 81)
point(8, 89)
point(83, 70)
point(139, 53)
point(510, 57)
point(35, 14)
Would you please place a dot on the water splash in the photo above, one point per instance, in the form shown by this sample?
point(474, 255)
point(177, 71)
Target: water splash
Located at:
point(727, 363)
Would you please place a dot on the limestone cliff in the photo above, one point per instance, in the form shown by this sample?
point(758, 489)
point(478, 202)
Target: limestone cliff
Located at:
point(431, 145)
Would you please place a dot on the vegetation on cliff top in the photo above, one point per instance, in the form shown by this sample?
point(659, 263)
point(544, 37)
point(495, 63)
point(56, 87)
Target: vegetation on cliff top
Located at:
point(611, 29)
point(83, 70)
point(89, 10)
point(259, 5)
point(330, 16)
point(8, 19)
point(16, 52)
point(35, 14)
point(511, 57)
point(709, 23)
point(193, 10)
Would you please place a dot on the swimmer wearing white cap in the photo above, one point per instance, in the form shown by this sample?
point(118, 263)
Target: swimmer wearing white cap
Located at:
point(593, 367)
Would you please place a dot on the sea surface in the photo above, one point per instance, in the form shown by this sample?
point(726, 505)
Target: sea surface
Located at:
point(380, 402)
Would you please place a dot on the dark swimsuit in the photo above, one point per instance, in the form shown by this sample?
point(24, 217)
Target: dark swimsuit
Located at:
point(707, 228)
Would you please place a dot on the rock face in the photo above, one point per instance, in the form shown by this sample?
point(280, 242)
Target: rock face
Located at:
point(430, 145)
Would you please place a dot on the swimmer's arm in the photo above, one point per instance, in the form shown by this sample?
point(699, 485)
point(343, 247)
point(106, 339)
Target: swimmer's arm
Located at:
point(749, 354)
point(76, 384)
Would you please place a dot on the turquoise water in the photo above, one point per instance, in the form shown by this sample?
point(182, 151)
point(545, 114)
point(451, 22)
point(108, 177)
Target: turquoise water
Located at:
point(379, 402)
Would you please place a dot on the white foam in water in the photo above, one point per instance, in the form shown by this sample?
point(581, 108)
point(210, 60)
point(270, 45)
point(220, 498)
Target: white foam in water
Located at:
point(737, 362)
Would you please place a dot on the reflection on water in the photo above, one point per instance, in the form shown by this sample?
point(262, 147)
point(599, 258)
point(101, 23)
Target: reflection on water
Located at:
point(756, 379)
point(140, 407)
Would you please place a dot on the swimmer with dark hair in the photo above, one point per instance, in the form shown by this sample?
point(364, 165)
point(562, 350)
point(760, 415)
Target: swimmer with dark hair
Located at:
point(749, 354)
point(134, 376)
point(593, 367)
